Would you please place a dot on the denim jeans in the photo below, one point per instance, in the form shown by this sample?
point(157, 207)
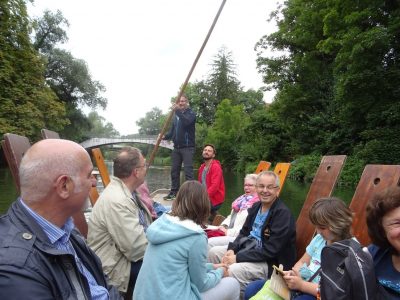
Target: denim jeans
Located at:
point(179, 156)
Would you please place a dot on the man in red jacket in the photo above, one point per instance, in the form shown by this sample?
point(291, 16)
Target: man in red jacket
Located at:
point(210, 175)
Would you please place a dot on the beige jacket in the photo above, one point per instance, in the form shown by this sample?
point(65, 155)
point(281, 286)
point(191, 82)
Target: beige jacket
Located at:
point(115, 233)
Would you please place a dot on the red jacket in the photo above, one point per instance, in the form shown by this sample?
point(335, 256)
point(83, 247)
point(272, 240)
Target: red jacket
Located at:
point(214, 181)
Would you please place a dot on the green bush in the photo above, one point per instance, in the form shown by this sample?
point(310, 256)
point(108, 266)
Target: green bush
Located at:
point(304, 167)
point(352, 171)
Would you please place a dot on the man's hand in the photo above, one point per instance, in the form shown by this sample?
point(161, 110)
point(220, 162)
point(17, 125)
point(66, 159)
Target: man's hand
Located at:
point(229, 258)
point(174, 107)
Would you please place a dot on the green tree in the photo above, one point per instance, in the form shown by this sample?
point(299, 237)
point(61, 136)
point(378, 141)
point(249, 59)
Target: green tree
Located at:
point(49, 31)
point(100, 128)
point(222, 79)
point(264, 138)
point(229, 123)
point(221, 84)
point(251, 100)
point(27, 104)
point(66, 75)
point(152, 122)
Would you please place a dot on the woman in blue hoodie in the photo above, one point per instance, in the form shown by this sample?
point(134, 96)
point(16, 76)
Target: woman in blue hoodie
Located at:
point(175, 263)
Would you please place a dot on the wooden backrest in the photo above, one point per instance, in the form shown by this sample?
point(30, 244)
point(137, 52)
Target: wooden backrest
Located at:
point(218, 219)
point(49, 134)
point(14, 147)
point(79, 217)
point(322, 186)
point(374, 179)
point(262, 166)
point(282, 169)
point(101, 165)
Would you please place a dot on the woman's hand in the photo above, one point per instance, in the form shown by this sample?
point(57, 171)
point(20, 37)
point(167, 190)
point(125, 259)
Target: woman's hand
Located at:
point(223, 229)
point(224, 267)
point(293, 280)
point(229, 257)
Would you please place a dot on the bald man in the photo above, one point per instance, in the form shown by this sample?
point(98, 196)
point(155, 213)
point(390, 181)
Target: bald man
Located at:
point(42, 255)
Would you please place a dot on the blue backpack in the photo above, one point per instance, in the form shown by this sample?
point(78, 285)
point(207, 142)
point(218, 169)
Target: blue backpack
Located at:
point(347, 272)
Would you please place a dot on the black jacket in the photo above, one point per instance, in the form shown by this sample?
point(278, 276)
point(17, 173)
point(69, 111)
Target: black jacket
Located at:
point(278, 238)
point(182, 132)
point(31, 268)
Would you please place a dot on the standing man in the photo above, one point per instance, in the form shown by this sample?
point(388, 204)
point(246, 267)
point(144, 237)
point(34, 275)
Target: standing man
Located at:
point(210, 175)
point(182, 133)
point(268, 236)
point(117, 226)
point(42, 255)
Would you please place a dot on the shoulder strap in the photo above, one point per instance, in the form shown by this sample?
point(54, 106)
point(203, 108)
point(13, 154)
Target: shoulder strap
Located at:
point(314, 275)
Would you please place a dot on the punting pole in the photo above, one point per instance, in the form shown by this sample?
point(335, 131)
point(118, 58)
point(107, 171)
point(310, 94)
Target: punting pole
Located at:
point(165, 126)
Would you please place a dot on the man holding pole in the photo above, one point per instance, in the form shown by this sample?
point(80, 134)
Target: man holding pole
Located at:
point(182, 133)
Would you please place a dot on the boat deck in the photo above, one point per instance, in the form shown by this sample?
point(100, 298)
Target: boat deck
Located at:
point(158, 196)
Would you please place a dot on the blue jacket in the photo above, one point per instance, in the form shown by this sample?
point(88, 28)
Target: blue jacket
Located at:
point(278, 239)
point(386, 274)
point(31, 268)
point(175, 263)
point(182, 132)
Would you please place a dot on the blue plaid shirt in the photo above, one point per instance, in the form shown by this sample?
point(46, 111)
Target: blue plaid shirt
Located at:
point(59, 238)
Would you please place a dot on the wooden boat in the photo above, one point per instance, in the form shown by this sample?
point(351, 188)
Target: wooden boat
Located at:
point(374, 179)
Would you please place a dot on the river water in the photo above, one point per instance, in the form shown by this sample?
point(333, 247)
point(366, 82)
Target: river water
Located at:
point(293, 193)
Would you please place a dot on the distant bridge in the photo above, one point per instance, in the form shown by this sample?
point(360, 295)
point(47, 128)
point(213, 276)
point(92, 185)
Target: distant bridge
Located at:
point(150, 139)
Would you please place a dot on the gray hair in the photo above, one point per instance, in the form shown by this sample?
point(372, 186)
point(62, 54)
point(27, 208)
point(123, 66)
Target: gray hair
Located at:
point(269, 173)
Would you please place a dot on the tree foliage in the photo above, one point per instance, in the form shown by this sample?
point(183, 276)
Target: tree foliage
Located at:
point(336, 76)
point(335, 66)
point(152, 123)
point(99, 127)
point(229, 123)
point(67, 76)
point(27, 103)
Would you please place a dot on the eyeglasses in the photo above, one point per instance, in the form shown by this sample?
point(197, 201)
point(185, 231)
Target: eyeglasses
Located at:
point(268, 187)
point(146, 165)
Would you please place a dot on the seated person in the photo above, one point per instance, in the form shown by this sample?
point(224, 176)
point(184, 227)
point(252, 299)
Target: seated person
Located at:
point(332, 220)
point(42, 255)
point(383, 221)
point(119, 220)
point(268, 236)
point(230, 227)
point(156, 209)
point(174, 265)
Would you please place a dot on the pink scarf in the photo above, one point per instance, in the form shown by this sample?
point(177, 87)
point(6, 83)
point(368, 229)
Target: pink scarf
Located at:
point(244, 202)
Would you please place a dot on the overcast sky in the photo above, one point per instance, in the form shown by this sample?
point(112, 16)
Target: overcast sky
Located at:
point(142, 50)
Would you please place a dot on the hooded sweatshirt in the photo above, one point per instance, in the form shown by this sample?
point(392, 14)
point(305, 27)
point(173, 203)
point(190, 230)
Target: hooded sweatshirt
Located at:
point(175, 263)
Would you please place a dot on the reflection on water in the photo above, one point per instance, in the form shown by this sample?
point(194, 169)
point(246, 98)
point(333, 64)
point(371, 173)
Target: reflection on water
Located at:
point(293, 193)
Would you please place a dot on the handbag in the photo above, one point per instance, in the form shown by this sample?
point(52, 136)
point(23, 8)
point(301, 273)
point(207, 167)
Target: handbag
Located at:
point(278, 284)
point(214, 232)
point(266, 293)
point(276, 288)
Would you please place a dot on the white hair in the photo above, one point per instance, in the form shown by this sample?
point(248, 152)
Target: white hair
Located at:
point(252, 177)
